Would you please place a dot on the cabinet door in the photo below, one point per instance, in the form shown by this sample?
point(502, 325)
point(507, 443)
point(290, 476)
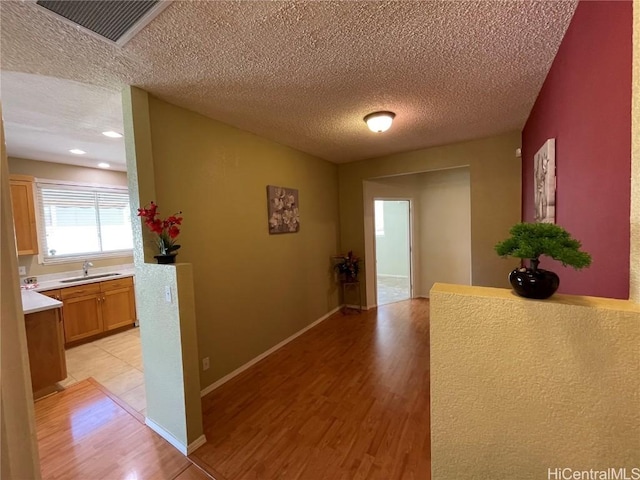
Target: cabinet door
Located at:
point(24, 217)
point(45, 345)
point(118, 308)
point(82, 317)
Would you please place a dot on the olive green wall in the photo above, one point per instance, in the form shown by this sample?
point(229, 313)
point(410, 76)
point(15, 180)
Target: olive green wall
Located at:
point(67, 173)
point(252, 289)
point(495, 196)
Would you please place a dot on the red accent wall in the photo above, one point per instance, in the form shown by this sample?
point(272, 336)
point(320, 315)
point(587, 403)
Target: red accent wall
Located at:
point(585, 104)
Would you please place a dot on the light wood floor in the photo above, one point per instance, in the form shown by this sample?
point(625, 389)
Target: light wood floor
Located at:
point(347, 400)
point(86, 433)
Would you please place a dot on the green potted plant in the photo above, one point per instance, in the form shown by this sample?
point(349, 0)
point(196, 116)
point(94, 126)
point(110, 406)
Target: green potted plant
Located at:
point(530, 241)
point(348, 266)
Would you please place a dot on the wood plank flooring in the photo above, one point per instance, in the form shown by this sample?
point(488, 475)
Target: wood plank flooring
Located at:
point(347, 400)
point(84, 434)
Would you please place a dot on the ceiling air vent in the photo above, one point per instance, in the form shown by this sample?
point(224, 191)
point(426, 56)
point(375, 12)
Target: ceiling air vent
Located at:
point(114, 20)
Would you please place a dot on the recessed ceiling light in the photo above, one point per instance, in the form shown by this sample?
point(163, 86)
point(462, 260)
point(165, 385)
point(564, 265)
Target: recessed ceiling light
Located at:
point(103, 165)
point(379, 121)
point(77, 151)
point(112, 134)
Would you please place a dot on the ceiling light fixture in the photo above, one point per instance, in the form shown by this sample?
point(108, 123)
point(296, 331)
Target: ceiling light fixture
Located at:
point(77, 151)
point(104, 165)
point(112, 134)
point(379, 121)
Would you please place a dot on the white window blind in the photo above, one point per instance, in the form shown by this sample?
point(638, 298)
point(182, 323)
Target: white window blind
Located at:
point(79, 220)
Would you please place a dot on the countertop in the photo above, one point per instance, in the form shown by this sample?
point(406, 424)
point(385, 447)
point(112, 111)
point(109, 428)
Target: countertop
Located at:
point(57, 283)
point(33, 302)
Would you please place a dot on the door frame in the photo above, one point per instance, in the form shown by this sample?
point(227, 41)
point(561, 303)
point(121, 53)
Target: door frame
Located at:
point(411, 243)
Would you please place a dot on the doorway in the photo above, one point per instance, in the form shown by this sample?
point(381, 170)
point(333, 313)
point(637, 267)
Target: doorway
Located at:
point(392, 220)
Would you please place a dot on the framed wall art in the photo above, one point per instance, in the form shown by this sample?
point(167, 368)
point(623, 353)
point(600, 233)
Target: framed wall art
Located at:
point(284, 216)
point(544, 174)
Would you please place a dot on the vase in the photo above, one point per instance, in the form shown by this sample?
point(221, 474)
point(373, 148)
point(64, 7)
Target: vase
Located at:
point(165, 259)
point(534, 282)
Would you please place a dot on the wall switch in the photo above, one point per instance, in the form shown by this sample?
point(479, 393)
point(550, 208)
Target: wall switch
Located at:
point(167, 294)
point(22, 271)
point(205, 363)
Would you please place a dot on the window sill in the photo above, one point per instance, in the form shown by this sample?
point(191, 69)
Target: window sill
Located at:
point(82, 258)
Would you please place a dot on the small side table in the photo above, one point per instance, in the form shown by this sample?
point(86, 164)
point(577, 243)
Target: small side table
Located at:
point(353, 285)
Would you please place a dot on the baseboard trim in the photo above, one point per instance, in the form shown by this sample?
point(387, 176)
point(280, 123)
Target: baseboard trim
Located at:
point(265, 354)
point(181, 447)
point(196, 444)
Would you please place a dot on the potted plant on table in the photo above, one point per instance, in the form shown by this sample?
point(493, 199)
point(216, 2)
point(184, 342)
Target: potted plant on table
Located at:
point(348, 266)
point(166, 230)
point(530, 241)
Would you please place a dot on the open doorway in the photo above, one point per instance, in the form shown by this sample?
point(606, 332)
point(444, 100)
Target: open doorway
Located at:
point(392, 219)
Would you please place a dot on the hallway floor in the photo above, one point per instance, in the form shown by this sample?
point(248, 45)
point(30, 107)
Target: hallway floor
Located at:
point(83, 433)
point(115, 362)
point(349, 399)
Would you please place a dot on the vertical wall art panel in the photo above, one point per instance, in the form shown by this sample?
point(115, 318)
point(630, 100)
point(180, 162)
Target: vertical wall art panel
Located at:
point(283, 209)
point(544, 167)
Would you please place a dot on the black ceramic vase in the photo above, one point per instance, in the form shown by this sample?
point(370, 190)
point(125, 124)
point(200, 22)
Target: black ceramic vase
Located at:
point(534, 282)
point(165, 259)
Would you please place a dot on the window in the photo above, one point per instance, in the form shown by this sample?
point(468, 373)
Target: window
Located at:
point(83, 221)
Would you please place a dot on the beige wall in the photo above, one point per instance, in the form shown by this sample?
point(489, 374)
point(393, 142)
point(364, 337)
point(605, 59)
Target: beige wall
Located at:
point(495, 195)
point(252, 289)
point(69, 173)
point(19, 450)
point(519, 386)
point(445, 228)
point(634, 285)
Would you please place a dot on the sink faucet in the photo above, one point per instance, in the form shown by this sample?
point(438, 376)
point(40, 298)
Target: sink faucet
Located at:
point(85, 267)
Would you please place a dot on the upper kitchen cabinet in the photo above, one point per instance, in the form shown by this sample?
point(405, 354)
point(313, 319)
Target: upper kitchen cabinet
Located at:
point(24, 214)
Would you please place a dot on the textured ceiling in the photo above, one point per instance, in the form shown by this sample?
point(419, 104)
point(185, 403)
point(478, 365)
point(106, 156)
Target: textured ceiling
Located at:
point(305, 73)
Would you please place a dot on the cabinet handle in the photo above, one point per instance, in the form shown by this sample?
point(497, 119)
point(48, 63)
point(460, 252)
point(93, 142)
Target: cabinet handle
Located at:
point(98, 299)
point(104, 299)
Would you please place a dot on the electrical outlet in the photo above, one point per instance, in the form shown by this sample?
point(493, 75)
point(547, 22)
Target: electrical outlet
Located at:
point(205, 363)
point(22, 271)
point(167, 294)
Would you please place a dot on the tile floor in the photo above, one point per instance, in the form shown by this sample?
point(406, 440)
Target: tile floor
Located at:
point(393, 289)
point(115, 362)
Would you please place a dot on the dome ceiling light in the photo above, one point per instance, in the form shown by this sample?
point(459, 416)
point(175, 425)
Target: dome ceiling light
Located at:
point(379, 121)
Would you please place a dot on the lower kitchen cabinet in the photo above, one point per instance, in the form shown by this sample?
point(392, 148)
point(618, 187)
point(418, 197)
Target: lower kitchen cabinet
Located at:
point(92, 310)
point(45, 344)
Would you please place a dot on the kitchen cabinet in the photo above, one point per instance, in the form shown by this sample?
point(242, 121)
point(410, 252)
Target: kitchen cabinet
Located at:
point(24, 214)
point(92, 310)
point(118, 303)
point(45, 344)
point(81, 312)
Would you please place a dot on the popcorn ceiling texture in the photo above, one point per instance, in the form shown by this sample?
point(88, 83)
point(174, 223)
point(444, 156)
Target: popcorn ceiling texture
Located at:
point(519, 386)
point(306, 73)
point(634, 280)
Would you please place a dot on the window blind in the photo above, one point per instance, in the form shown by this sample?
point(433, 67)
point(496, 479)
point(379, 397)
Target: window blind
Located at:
point(78, 220)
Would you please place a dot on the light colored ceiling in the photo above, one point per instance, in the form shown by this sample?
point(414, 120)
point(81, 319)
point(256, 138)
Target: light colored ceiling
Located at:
point(306, 73)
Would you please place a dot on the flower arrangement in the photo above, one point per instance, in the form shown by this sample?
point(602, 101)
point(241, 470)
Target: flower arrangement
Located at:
point(167, 230)
point(348, 265)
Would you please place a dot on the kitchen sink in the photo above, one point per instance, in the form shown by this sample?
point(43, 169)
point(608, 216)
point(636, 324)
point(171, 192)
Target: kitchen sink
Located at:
point(90, 277)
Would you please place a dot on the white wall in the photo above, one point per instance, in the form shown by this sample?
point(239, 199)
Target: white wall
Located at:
point(441, 226)
point(444, 225)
